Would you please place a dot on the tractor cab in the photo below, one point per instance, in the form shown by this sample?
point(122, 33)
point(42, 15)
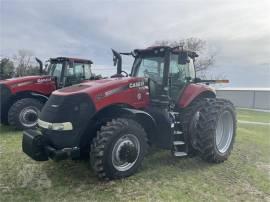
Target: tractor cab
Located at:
point(168, 70)
point(69, 71)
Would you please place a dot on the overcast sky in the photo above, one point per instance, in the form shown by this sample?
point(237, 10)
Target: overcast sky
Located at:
point(237, 30)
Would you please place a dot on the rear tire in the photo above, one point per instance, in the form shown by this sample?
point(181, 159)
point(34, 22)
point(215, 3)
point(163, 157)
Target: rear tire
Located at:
point(216, 130)
point(118, 149)
point(23, 114)
point(188, 119)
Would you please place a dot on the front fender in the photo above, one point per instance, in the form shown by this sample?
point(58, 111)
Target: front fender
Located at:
point(39, 95)
point(145, 119)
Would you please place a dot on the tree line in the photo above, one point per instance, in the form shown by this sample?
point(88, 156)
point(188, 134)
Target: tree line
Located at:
point(21, 64)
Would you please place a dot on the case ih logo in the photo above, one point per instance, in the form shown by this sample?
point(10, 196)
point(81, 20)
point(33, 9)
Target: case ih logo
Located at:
point(136, 84)
point(43, 80)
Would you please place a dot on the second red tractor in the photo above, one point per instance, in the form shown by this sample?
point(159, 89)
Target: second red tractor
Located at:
point(22, 98)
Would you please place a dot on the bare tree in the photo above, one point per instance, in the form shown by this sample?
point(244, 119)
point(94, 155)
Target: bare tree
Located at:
point(205, 60)
point(6, 68)
point(24, 60)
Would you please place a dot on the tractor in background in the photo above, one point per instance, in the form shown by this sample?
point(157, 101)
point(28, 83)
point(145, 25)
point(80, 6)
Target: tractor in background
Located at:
point(22, 98)
point(115, 120)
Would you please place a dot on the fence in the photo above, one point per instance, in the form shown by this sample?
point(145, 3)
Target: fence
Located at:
point(255, 98)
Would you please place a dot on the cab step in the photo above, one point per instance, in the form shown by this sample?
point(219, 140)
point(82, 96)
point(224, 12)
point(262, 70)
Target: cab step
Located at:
point(177, 132)
point(178, 143)
point(180, 154)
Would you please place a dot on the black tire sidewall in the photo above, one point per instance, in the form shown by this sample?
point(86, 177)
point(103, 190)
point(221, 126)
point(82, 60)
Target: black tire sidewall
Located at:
point(211, 113)
point(111, 171)
point(18, 106)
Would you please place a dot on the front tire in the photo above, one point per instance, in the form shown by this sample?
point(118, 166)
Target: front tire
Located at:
point(23, 114)
point(216, 130)
point(118, 149)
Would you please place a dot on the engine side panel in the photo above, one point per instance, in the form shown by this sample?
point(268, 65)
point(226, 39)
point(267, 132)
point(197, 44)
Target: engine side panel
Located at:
point(44, 85)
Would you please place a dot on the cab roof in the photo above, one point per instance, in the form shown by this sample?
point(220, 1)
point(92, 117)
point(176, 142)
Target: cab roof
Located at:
point(177, 49)
point(61, 59)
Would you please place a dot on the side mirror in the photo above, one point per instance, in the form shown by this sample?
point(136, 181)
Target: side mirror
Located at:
point(183, 58)
point(117, 61)
point(188, 78)
point(71, 64)
point(197, 80)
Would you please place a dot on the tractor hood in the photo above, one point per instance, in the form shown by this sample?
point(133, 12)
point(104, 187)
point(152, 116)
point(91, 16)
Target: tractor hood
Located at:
point(124, 90)
point(44, 85)
point(102, 86)
point(25, 80)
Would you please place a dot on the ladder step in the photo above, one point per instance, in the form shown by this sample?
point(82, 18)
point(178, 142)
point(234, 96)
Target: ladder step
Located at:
point(178, 143)
point(178, 154)
point(178, 132)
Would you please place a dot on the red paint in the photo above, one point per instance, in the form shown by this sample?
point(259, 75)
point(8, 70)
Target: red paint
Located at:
point(191, 92)
point(44, 85)
point(98, 88)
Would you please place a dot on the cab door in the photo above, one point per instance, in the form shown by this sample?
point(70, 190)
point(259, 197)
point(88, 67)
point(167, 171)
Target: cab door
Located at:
point(57, 72)
point(180, 74)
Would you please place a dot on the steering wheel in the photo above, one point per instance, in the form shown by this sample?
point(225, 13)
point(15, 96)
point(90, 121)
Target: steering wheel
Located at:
point(126, 74)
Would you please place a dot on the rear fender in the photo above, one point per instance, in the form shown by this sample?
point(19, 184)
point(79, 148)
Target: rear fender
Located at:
point(194, 91)
point(29, 94)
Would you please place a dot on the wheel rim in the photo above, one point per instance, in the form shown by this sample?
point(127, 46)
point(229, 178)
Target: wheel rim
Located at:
point(224, 131)
point(118, 163)
point(28, 116)
point(195, 119)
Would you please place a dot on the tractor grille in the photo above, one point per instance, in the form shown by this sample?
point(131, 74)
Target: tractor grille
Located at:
point(77, 109)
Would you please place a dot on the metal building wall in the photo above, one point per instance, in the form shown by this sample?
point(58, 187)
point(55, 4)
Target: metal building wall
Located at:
point(256, 98)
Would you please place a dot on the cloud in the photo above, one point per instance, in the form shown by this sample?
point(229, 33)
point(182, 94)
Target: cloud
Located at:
point(238, 30)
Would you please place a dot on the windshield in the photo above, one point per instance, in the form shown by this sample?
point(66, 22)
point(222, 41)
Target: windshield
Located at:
point(151, 67)
point(54, 69)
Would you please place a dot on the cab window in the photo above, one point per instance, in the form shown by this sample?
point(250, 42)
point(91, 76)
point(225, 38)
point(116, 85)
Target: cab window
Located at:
point(179, 72)
point(80, 71)
point(151, 67)
point(178, 75)
point(57, 70)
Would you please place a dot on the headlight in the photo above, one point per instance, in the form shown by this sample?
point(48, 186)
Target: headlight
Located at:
point(55, 126)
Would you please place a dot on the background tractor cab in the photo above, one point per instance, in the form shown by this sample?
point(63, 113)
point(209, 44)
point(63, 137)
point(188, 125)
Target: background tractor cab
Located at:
point(115, 119)
point(23, 97)
point(68, 71)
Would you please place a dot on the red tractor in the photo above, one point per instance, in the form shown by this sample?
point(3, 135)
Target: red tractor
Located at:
point(114, 120)
point(23, 97)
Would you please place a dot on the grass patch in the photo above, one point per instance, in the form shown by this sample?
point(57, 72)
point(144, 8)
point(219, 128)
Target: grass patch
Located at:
point(250, 115)
point(244, 177)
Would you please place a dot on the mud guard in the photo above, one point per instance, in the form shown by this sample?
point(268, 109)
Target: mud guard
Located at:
point(193, 91)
